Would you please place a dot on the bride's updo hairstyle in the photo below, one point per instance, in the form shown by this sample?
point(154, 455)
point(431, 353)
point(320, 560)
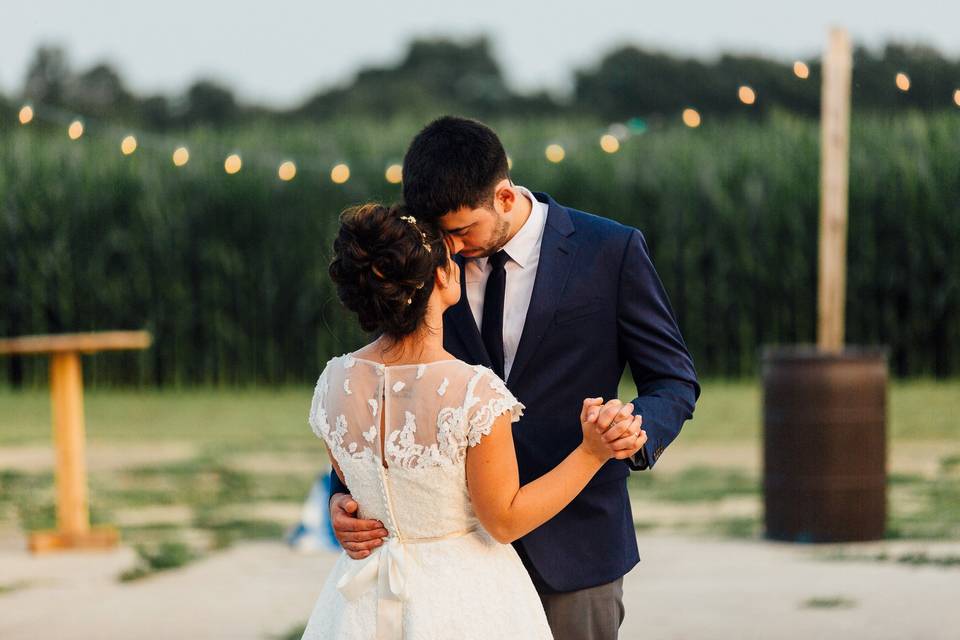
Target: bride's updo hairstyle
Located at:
point(384, 263)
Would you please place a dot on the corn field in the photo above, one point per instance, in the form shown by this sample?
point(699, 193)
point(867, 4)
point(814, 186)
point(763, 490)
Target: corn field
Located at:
point(229, 271)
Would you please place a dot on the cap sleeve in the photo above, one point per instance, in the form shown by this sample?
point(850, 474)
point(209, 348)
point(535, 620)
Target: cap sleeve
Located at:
point(487, 399)
point(318, 409)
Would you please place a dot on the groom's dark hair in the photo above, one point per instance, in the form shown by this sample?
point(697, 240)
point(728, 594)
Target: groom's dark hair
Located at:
point(452, 163)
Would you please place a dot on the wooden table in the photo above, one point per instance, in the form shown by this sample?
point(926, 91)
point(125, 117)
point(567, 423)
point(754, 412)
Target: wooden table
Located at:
point(66, 395)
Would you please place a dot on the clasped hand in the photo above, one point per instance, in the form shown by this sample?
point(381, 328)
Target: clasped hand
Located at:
point(610, 430)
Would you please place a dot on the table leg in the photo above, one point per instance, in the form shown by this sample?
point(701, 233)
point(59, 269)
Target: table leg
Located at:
point(73, 512)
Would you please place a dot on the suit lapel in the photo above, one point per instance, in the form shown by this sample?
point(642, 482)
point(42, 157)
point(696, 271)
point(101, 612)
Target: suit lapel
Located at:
point(557, 253)
point(461, 318)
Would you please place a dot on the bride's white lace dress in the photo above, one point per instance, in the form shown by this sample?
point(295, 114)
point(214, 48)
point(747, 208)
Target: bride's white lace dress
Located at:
point(440, 575)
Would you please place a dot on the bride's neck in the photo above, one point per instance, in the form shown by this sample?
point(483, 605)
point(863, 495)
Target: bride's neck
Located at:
point(423, 345)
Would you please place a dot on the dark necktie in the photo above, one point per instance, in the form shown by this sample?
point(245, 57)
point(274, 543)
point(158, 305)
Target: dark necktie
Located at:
point(491, 329)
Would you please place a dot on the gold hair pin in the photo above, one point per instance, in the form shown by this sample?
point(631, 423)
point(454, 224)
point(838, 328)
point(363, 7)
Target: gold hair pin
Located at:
point(413, 221)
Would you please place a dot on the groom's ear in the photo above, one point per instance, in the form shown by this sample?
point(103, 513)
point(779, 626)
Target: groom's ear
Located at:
point(504, 195)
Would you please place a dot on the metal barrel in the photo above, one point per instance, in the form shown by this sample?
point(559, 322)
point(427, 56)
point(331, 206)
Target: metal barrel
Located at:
point(824, 444)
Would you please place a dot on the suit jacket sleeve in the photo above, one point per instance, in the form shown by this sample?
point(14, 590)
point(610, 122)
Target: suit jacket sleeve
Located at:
point(336, 486)
point(667, 387)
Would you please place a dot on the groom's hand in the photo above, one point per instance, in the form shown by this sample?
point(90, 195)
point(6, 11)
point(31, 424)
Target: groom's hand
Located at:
point(621, 429)
point(357, 537)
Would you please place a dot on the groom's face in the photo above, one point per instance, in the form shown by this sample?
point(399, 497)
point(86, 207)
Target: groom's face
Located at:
point(475, 233)
point(481, 231)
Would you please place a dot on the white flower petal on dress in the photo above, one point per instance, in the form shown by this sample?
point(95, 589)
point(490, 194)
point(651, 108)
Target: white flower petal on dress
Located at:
point(373, 406)
point(442, 389)
point(420, 371)
point(349, 362)
point(346, 386)
point(398, 385)
point(370, 433)
point(353, 447)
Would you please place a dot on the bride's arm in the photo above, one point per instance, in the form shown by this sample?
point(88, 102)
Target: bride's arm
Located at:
point(509, 511)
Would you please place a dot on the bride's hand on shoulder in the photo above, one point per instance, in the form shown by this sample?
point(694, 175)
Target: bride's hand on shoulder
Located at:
point(611, 430)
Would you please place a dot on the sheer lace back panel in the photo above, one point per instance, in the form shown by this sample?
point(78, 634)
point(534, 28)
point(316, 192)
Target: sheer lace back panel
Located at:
point(431, 413)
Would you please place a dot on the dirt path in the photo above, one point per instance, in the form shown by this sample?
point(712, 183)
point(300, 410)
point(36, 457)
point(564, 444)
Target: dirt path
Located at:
point(683, 588)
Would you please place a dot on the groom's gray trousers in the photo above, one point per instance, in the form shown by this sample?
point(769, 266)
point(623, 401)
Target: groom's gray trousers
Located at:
point(588, 614)
point(594, 613)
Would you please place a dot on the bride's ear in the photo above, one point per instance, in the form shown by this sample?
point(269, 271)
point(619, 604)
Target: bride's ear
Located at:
point(442, 278)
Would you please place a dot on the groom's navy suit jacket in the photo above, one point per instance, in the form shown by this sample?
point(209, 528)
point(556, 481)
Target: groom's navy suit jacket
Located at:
point(597, 304)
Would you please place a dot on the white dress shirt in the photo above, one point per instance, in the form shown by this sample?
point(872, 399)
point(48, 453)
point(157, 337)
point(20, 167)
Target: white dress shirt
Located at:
point(521, 272)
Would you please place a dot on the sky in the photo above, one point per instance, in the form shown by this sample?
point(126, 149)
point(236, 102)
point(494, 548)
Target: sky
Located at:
point(278, 53)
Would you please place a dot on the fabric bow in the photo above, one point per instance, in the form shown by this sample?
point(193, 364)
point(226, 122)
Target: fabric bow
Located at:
point(385, 570)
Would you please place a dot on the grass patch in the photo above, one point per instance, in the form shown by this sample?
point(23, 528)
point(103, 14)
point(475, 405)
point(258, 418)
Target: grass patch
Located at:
point(950, 464)
point(922, 559)
point(11, 587)
point(227, 532)
point(294, 633)
point(206, 481)
point(162, 557)
point(741, 528)
point(933, 513)
point(130, 531)
point(905, 479)
point(219, 420)
point(830, 602)
point(912, 558)
point(695, 484)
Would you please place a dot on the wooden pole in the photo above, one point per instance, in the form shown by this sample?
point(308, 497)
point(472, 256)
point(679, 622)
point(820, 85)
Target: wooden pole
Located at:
point(69, 435)
point(834, 176)
point(66, 395)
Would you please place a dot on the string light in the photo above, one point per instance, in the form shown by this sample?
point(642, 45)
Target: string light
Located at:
point(232, 164)
point(394, 174)
point(340, 173)
point(287, 171)
point(75, 130)
point(128, 145)
point(181, 156)
point(609, 143)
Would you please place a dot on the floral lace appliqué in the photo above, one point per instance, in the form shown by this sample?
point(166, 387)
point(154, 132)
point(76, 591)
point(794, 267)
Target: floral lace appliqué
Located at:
point(430, 435)
point(489, 405)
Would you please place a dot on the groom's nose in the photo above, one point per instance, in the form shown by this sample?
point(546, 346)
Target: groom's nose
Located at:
point(457, 244)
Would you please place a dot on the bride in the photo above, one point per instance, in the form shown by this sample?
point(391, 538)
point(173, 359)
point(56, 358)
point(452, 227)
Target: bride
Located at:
point(425, 443)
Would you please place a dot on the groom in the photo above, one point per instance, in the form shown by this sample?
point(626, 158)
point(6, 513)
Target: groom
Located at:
point(556, 301)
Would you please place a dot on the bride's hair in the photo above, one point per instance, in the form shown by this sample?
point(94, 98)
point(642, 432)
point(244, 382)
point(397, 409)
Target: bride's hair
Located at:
point(384, 262)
